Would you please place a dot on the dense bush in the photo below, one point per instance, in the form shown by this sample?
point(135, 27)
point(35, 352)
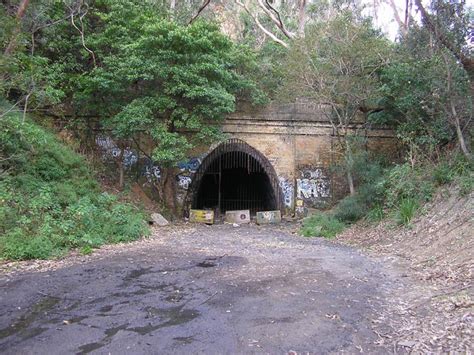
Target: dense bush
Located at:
point(403, 188)
point(351, 209)
point(321, 225)
point(49, 200)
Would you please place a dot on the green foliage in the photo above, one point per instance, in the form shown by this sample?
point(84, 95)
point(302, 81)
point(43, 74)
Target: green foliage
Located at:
point(406, 210)
point(402, 188)
point(406, 183)
point(369, 173)
point(416, 96)
point(321, 225)
point(351, 209)
point(376, 214)
point(86, 250)
point(466, 184)
point(50, 201)
point(336, 64)
point(442, 174)
point(171, 82)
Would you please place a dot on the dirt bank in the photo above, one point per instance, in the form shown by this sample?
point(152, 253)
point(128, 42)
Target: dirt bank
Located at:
point(437, 252)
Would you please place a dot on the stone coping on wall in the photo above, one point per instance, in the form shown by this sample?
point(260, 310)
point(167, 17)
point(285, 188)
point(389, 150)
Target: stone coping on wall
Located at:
point(256, 126)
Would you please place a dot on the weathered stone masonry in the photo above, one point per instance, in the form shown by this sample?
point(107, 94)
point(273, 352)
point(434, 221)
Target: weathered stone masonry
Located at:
point(297, 141)
point(301, 145)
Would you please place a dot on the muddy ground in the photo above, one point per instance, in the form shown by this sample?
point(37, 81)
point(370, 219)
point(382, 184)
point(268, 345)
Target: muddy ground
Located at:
point(201, 289)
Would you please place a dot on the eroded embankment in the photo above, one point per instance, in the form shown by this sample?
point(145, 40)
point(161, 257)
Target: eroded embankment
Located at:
point(437, 249)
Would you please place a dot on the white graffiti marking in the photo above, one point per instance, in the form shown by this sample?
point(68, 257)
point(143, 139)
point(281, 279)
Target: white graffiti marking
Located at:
point(184, 181)
point(288, 191)
point(313, 185)
point(152, 172)
point(110, 149)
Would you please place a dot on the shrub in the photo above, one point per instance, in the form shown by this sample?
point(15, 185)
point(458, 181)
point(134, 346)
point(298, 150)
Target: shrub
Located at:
point(351, 209)
point(466, 184)
point(404, 182)
point(50, 201)
point(442, 174)
point(321, 225)
point(406, 211)
point(376, 214)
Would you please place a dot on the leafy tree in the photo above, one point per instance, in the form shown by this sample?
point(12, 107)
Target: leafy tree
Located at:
point(427, 88)
point(336, 65)
point(169, 82)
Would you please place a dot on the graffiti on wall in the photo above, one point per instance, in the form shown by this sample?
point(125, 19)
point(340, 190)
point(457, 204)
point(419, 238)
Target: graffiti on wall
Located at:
point(288, 191)
point(191, 165)
point(110, 149)
point(150, 171)
point(187, 170)
point(147, 168)
point(183, 181)
point(313, 185)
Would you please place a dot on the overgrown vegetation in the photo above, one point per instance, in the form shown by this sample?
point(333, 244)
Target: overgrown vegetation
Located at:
point(421, 86)
point(162, 72)
point(396, 191)
point(321, 225)
point(50, 201)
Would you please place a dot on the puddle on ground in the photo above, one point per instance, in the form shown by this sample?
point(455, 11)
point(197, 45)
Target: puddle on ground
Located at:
point(171, 316)
point(184, 340)
point(109, 334)
point(174, 316)
point(21, 324)
point(223, 260)
point(136, 273)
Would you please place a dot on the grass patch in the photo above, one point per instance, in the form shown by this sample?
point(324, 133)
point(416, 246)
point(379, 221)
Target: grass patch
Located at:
point(406, 211)
point(321, 225)
point(50, 201)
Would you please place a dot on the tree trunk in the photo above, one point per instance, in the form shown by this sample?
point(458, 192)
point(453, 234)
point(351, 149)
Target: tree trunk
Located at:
point(462, 142)
point(349, 165)
point(350, 181)
point(169, 189)
point(16, 32)
point(120, 169)
point(453, 113)
point(301, 18)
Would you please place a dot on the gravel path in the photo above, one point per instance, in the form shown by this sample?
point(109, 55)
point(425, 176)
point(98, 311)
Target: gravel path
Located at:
point(199, 289)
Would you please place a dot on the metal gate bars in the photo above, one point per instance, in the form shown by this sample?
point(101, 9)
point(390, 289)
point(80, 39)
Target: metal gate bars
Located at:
point(235, 176)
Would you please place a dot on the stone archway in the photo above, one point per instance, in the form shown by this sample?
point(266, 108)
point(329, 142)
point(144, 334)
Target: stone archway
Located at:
point(235, 176)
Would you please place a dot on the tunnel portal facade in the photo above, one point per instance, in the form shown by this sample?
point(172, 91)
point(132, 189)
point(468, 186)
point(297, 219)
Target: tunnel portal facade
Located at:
point(279, 157)
point(235, 176)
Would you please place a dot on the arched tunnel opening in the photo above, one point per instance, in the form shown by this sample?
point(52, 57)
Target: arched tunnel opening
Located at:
point(235, 180)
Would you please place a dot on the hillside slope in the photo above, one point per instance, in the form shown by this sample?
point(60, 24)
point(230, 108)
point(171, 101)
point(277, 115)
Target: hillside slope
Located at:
point(50, 199)
point(437, 253)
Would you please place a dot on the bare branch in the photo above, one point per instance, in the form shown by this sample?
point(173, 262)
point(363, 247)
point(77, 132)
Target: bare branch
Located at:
point(255, 18)
point(81, 31)
point(201, 9)
point(466, 62)
point(274, 15)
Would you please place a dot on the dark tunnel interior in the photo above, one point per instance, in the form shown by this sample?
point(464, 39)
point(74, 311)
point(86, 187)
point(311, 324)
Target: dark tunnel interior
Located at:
point(235, 181)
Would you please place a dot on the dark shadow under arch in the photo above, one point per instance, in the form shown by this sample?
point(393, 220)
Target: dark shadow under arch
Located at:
point(235, 176)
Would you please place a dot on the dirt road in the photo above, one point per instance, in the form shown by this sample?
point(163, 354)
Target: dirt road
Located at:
point(200, 289)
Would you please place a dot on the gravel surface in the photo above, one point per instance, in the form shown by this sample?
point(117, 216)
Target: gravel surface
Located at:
point(200, 289)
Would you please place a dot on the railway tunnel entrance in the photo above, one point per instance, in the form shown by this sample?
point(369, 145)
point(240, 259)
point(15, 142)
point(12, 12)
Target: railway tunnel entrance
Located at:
point(235, 176)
